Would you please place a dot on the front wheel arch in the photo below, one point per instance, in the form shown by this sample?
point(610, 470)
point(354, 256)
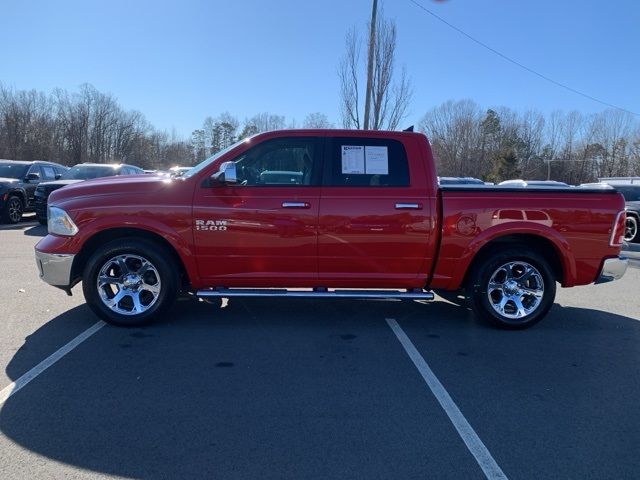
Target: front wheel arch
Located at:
point(21, 194)
point(108, 235)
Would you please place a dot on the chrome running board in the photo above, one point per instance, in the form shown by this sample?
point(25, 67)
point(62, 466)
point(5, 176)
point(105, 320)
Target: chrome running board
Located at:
point(315, 293)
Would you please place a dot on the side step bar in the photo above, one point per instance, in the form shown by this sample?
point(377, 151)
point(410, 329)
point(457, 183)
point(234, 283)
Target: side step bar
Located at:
point(315, 293)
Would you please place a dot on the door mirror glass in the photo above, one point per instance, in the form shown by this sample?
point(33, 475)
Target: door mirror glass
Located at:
point(226, 174)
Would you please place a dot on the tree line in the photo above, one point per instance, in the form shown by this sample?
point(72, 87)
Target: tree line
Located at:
point(91, 126)
point(500, 144)
point(467, 140)
point(83, 126)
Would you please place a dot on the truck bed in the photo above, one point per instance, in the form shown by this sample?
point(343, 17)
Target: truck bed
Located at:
point(576, 223)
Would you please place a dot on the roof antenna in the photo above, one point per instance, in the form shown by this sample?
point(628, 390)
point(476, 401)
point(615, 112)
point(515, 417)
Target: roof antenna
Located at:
point(410, 129)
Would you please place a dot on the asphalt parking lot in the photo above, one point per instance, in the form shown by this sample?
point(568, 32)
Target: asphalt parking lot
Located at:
point(283, 388)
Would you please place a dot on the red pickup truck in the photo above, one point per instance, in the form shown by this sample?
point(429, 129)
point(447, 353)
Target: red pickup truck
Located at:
point(326, 213)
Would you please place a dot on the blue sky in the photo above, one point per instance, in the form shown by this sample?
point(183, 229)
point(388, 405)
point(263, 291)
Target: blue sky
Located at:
point(178, 62)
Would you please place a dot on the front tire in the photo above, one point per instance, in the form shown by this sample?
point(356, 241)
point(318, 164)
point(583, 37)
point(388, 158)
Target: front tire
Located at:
point(512, 289)
point(130, 282)
point(13, 210)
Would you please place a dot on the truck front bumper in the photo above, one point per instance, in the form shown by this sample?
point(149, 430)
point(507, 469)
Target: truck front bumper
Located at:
point(55, 268)
point(612, 269)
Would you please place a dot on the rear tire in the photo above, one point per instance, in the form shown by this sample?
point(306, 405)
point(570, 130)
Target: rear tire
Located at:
point(513, 288)
point(130, 282)
point(13, 210)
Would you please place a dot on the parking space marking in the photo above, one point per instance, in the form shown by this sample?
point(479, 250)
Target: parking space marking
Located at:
point(14, 387)
point(465, 430)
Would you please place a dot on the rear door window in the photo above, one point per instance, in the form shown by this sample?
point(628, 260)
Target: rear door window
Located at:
point(366, 162)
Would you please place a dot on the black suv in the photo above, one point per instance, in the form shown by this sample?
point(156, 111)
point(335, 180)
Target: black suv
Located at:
point(18, 182)
point(78, 173)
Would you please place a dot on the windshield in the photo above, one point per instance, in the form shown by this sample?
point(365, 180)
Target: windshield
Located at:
point(205, 163)
point(9, 170)
point(630, 194)
point(83, 172)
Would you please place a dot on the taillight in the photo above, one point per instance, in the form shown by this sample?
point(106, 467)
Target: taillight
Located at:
point(617, 235)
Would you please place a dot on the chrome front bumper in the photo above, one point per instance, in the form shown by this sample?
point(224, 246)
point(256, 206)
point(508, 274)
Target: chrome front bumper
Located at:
point(55, 268)
point(612, 269)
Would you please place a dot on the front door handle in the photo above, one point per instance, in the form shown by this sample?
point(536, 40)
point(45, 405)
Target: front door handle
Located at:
point(408, 206)
point(295, 205)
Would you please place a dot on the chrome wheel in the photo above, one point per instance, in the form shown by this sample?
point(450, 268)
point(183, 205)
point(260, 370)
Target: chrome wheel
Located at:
point(515, 290)
point(630, 228)
point(14, 208)
point(128, 284)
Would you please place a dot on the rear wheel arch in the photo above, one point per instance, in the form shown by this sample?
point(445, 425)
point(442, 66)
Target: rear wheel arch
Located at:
point(111, 234)
point(535, 243)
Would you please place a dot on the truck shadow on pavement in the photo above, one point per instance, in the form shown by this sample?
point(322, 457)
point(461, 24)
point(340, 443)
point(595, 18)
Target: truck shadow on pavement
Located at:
point(36, 231)
point(275, 388)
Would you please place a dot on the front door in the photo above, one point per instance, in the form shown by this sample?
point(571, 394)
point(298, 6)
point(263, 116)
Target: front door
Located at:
point(262, 231)
point(31, 184)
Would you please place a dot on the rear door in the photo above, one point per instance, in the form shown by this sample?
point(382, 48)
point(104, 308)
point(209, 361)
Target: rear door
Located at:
point(263, 230)
point(375, 218)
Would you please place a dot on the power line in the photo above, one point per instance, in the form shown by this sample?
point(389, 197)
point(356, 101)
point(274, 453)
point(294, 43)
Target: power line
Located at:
point(515, 62)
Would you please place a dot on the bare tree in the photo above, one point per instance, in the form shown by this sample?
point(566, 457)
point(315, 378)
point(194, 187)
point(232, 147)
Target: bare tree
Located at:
point(265, 122)
point(389, 99)
point(317, 120)
point(456, 134)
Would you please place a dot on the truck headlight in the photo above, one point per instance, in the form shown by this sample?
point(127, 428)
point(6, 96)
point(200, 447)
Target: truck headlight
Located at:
point(60, 223)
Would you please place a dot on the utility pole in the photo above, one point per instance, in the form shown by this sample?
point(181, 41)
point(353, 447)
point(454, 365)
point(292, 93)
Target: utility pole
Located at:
point(372, 43)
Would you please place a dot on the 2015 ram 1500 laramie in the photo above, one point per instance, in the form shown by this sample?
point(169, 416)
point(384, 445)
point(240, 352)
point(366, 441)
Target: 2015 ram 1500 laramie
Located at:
point(326, 213)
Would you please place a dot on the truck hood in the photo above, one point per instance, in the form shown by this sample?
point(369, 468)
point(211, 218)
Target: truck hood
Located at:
point(59, 183)
point(8, 181)
point(125, 187)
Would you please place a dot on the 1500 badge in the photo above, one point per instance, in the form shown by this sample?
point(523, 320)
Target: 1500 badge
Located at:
point(211, 225)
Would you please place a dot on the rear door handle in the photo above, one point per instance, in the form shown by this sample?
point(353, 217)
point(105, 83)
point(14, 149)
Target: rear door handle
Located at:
point(296, 205)
point(408, 206)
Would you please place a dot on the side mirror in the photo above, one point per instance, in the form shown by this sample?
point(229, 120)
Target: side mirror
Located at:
point(226, 174)
point(32, 176)
point(58, 176)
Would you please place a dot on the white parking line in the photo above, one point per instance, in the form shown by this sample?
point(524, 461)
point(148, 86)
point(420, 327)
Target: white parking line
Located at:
point(14, 387)
point(467, 433)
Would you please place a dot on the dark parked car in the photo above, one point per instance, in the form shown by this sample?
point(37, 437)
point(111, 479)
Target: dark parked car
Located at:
point(78, 173)
point(630, 190)
point(178, 171)
point(631, 193)
point(18, 182)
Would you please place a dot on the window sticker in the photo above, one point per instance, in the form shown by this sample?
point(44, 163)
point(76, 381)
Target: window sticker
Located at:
point(352, 159)
point(377, 161)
